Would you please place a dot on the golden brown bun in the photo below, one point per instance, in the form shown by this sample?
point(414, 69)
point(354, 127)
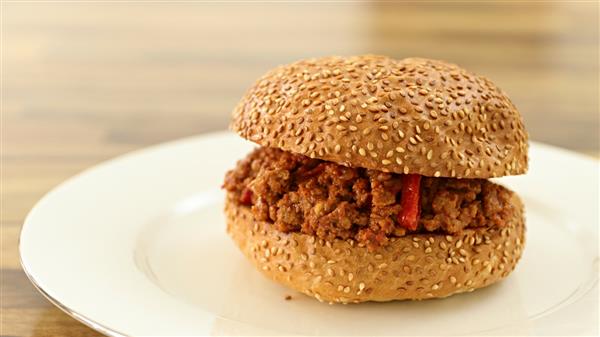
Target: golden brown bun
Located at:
point(412, 267)
point(405, 116)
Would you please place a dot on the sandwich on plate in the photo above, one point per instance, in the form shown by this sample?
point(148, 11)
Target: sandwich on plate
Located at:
point(371, 179)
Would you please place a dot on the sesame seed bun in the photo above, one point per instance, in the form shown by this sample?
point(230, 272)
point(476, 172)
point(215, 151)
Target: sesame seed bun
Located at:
point(406, 116)
point(411, 267)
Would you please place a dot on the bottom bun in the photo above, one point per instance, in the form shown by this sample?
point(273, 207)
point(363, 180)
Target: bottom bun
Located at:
point(415, 267)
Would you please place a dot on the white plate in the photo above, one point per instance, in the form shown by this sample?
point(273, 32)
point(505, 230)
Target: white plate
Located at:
point(137, 246)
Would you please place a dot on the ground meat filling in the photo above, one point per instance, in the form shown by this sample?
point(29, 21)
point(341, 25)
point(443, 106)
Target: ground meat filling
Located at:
point(327, 200)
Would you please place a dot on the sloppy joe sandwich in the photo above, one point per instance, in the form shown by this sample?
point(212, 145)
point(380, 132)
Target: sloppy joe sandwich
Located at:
point(371, 179)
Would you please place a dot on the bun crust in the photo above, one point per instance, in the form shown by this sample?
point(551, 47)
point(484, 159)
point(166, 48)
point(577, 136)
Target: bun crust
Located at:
point(412, 267)
point(406, 116)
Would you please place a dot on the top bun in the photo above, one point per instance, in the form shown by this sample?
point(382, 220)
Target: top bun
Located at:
point(406, 116)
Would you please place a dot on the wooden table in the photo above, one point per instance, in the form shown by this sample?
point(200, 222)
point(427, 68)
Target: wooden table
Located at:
point(84, 82)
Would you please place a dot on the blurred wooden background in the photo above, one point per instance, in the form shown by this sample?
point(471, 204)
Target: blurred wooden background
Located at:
point(83, 82)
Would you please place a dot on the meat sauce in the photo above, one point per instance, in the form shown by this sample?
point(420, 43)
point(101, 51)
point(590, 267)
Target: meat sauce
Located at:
point(327, 200)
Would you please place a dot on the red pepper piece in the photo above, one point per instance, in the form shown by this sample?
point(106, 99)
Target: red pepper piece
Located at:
point(410, 201)
point(246, 196)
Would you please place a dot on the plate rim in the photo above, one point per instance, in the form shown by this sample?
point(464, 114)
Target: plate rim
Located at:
point(70, 312)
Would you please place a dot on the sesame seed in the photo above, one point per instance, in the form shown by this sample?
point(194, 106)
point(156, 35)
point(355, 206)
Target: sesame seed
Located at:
point(362, 152)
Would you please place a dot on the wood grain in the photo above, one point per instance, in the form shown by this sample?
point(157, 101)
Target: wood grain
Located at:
point(83, 82)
